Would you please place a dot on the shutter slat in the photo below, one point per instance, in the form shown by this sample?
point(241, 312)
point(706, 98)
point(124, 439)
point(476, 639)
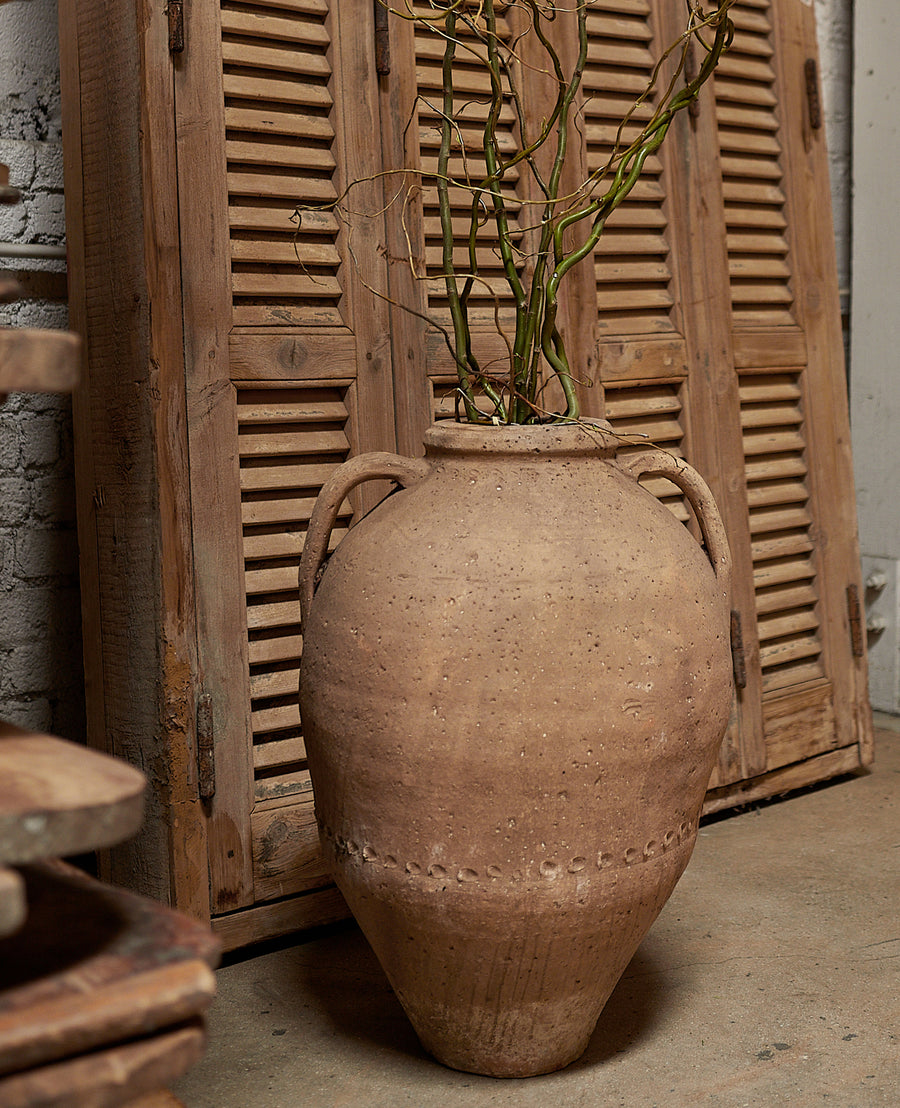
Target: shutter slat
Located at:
point(285, 284)
point(287, 509)
point(279, 753)
point(282, 717)
point(275, 90)
point(274, 27)
point(301, 253)
point(757, 243)
point(788, 518)
point(783, 653)
point(772, 442)
point(282, 154)
point(774, 467)
point(276, 613)
point(282, 543)
point(272, 649)
point(275, 682)
point(270, 578)
point(776, 600)
point(749, 143)
point(776, 414)
point(781, 625)
point(768, 574)
point(255, 217)
point(291, 410)
point(299, 188)
point(777, 492)
point(776, 547)
point(274, 58)
point(274, 121)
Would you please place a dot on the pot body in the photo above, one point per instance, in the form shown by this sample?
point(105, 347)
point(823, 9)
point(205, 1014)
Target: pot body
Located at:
point(516, 674)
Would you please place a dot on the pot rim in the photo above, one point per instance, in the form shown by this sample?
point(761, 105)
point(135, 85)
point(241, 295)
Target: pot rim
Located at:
point(593, 437)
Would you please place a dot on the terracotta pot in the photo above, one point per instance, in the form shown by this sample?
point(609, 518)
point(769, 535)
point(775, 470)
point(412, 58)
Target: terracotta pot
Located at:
point(516, 675)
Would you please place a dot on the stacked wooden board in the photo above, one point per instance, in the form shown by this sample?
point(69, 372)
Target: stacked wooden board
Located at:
point(102, 992)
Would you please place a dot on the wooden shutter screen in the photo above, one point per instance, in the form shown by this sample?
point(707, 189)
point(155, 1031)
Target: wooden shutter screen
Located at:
point(708, 322)
point(702, 347)
point(288, 373)
point(789, 366)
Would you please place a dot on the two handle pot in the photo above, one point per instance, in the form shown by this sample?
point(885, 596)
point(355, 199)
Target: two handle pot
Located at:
point(516, 675)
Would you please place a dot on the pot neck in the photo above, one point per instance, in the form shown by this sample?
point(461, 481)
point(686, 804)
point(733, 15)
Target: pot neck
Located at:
point(593, 438)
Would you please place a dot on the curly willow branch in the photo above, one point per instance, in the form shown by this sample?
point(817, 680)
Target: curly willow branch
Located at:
point(517, 43)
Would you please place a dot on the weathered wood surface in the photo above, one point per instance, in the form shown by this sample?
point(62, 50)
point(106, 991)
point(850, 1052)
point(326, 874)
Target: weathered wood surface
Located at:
point(95, 966)
point(60, 798)
point(280, 917)
point(108, 1078)
point(129, 422)
point(820, 767)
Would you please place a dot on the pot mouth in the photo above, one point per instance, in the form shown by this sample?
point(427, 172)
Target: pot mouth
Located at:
point(586, 437)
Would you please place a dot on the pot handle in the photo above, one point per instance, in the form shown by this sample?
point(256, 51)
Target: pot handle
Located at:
point(377, 465)
point(658, 463)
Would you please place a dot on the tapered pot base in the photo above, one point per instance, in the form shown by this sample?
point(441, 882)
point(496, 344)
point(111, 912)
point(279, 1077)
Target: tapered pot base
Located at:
point(503, 976)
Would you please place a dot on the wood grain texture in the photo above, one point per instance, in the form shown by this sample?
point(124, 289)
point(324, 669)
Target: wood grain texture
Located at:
point(133, 504)
point(783, 781)
point(95, 966)
point(711, 396)
point(107, 1078)
point(60, 798)
point(283, 917)
point(831, 473)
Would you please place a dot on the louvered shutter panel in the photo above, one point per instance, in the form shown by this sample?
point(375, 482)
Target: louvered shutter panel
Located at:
point(659, 283)
point(288, 373)
point(634, 280)
point(700, 296)
point(719, 340)
point(789, 373)
point(643, 354)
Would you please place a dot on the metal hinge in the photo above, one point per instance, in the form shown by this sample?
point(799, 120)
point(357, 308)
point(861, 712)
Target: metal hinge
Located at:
point(382, 39)
point(738, 661)
point(811, 74)
point(854, 612)
point(206, 749)
point(175, 11)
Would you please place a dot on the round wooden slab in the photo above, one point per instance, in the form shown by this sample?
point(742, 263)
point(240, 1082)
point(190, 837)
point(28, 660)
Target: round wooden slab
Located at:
point(58, 798)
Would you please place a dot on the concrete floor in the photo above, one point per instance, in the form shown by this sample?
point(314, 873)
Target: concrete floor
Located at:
point(771, 977)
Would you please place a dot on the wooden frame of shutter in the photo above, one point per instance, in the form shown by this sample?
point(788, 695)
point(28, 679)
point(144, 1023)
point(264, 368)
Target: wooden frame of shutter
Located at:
point(129, 418)
point(819, 727)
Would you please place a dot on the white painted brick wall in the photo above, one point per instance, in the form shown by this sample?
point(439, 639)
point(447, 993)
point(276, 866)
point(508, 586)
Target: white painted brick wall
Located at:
point(834, 25)
point(41, 683)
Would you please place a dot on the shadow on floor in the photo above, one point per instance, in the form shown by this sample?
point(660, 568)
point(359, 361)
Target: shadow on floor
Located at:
point(353, 993)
